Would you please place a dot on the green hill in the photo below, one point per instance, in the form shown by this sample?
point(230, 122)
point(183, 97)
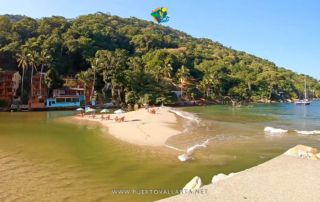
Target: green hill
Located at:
point(136, 61)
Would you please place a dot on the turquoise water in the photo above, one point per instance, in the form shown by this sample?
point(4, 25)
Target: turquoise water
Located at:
point(44, 158)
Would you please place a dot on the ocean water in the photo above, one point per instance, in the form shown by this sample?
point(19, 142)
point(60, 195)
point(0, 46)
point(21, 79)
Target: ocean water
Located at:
point(224, 128)
point(45, 158)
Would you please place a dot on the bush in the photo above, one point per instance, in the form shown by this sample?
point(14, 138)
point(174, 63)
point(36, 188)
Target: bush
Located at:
point(147, 99)
point(169, 98)
point(131, 98)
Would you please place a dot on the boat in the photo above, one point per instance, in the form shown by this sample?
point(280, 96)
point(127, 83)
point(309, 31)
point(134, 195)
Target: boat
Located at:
point(304, 101)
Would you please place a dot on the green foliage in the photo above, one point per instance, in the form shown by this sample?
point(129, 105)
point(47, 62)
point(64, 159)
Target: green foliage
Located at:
point(147, 98)
point(135, 61)
point(53, 79)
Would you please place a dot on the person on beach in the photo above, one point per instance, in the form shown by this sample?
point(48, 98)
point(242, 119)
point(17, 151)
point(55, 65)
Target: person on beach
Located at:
point(116, 119)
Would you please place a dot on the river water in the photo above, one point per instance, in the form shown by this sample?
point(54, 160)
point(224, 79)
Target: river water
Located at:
point(45, 158)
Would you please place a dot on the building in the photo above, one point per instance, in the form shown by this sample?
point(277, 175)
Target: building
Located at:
point(9, 84)
point(73, 94)
point(66, 98)
point(39, 92)
point(75, 87)
point(65, 101)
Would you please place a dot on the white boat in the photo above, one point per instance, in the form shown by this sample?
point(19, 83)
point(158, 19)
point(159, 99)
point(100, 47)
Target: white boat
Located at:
point(304, 101)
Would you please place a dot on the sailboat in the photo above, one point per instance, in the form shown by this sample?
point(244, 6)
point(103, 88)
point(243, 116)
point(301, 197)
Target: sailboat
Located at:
point(305, 101)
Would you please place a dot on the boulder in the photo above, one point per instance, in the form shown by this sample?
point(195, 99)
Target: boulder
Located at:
point(303, 152)
point(220, 177)
point(195, 183)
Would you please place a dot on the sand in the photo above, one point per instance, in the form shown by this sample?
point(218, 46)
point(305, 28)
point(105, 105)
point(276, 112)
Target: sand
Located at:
point(284, 178)
point(141, 127)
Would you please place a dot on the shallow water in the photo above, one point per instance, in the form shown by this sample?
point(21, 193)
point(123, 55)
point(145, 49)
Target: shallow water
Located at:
point(45, 159)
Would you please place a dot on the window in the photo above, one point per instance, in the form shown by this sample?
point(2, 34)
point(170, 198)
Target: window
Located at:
point(60, 100)
point(75, 99)
point(68, 100)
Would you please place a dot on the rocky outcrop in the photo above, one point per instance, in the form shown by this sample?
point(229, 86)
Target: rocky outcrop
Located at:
point(303, 152)
point(195, 183)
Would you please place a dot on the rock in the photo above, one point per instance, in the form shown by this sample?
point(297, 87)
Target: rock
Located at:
point(195, 183)
point(303, 152)
point(220, 177)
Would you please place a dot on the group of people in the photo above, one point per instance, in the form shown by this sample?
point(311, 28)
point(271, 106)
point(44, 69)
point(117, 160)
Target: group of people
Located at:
point(104, 118)
point(116, 119)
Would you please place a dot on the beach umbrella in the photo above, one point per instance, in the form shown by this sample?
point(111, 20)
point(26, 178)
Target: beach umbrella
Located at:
point(105, 111)
point(90, 110)
point(119, 111)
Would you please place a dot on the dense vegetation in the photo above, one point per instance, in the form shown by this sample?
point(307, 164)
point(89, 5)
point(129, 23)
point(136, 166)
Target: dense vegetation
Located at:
point(135, 61)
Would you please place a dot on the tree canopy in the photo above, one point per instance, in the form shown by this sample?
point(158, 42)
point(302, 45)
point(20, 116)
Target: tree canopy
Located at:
point(135, 61)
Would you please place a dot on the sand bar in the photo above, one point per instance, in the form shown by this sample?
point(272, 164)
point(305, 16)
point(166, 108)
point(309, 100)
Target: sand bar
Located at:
point(141, 127)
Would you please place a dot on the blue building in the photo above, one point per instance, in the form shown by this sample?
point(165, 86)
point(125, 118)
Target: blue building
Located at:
point(65, 101)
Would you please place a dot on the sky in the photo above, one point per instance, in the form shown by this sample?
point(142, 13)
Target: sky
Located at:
point(286, 32)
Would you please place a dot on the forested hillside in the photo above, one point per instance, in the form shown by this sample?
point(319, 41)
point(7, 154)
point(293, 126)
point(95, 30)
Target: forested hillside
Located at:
point(136, 61)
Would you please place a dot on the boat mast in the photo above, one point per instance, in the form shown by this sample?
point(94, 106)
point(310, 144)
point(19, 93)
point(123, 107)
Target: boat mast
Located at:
point(305, 88)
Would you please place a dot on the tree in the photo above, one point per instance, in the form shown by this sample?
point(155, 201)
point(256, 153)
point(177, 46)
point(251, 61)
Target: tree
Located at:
point(138, 58)
point(112, 65)
point(94, 66)
point(23, 64)
point(33, 62)
point(85, 78)
point(183, 74)
point(53, 80)
point(161, 63)
point(44, 60)
point(216, 78)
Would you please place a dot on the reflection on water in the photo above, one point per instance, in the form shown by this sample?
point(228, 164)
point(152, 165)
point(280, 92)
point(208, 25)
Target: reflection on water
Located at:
point(44, 158)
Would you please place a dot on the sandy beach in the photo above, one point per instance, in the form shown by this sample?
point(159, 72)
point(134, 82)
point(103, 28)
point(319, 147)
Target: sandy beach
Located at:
point(284, 178)
point(141, 127)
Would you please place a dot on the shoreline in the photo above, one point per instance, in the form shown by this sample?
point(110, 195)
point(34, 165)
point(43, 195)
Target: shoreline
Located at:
point(138, 124)
point(292, 176)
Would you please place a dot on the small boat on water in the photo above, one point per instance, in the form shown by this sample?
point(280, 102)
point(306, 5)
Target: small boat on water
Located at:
point(304, 101)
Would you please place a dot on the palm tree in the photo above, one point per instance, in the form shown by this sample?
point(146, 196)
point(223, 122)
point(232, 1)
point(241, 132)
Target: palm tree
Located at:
point(23, 63)
point(33, 61)
point(44, 59)
point(94, 65)
point(84, 77)
point(183, 75)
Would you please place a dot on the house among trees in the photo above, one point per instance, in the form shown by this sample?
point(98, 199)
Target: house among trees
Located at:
point(71, 94)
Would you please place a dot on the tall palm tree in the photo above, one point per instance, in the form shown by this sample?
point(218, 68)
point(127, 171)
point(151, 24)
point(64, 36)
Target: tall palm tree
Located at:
point(23, 63)
point(44, 59)
point(33, 61)
point(183, 75)
point(84, 77)
point(94, 65)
